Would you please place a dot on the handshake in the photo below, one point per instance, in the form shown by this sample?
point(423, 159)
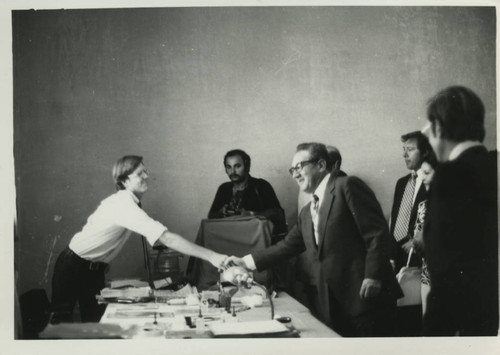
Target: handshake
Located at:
point(234, 270)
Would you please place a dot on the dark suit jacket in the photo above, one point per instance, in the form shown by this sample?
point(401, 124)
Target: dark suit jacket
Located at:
point(307, 263)
point(399, 255)
point(354, 244)
point(461, 234)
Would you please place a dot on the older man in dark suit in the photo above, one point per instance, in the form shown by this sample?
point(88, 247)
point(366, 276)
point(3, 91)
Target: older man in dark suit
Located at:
point(308, 289)
point(346, 231)
point(461, 226)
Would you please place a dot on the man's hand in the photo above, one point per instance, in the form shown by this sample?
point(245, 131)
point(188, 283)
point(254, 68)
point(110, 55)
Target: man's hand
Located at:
point(369, 288)
point(238, 276)
point(246, 213)
point(218, 260)
point(235, 261)
point(407, 246)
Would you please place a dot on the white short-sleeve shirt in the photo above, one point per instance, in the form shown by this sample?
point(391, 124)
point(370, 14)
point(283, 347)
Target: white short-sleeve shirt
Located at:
point(110, 226)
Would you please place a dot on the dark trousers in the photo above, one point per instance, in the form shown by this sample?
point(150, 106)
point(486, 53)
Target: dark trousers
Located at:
point(76, 279)
point(316, 299)
point(377, 322)
point(409, 321)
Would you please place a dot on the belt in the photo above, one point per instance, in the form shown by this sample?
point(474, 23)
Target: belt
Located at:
point(90, 265)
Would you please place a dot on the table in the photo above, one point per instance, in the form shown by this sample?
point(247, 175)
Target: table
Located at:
point(287, 306)
point(113, 324)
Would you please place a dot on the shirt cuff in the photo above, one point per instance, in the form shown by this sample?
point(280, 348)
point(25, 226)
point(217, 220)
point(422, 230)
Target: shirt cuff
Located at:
point(249, 262)
point(155, 232)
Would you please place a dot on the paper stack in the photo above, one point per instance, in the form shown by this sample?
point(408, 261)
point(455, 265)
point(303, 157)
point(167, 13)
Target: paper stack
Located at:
point(126, 292)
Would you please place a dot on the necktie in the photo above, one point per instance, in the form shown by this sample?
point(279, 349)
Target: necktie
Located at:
point(403, 219)
point(314, 215)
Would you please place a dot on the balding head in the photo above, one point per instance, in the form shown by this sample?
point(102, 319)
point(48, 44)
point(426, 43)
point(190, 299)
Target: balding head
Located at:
point(334, 158)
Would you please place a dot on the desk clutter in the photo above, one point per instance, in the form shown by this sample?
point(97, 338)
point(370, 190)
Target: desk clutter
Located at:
point(134, 310)
point(139, 291)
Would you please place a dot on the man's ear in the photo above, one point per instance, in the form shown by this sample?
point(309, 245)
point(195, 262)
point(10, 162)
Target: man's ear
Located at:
point(437, 129)
point(124, 183)
point(322, 164)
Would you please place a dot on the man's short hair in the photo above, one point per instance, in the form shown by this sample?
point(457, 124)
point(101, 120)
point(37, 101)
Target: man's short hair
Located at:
point(123, 168)
point(460, 113)
point(423, 144)
point(317, 151)
point(244, 156)
point(335, 157)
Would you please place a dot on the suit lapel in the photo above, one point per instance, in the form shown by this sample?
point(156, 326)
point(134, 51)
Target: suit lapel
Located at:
point(324, 210)
point(307, 225)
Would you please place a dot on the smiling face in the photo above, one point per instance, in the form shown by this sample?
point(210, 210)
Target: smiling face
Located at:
point(411, 154)
point(235, 169)
point(137, 181)
point(309, 176)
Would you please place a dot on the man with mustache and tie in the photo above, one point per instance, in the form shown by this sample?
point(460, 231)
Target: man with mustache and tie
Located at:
point(344, 229)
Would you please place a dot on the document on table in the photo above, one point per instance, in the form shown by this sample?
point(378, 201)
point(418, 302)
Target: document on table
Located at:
point(270, 327)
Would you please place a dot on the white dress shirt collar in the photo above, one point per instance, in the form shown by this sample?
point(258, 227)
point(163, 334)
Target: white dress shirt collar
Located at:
point(134, 197)
point(320, 190)
point(461, 147)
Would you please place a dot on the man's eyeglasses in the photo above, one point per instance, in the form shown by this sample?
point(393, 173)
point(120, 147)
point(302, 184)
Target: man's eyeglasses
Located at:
point(300, 165)
point(142, 173)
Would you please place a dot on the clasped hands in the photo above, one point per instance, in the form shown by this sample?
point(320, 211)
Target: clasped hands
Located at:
point(369, 288)
point(223, 262)
point(235, 271)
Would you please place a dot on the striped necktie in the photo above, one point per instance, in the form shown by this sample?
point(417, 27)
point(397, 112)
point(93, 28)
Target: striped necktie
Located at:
point(403, 219)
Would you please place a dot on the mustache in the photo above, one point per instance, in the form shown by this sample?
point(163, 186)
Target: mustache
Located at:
point(234, 175)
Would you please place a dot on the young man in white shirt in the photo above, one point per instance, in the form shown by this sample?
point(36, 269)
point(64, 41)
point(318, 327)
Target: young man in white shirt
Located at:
point(79, 269)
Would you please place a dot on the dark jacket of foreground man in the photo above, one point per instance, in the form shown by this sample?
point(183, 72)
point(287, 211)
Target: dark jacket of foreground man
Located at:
point(461, 246)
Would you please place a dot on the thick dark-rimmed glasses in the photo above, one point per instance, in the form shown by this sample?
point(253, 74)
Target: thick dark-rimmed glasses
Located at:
point(300, 165)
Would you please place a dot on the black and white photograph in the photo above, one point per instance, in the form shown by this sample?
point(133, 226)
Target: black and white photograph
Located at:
point(250, 176)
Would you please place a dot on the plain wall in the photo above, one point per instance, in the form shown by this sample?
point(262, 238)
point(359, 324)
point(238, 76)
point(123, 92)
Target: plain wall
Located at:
point(181, 86)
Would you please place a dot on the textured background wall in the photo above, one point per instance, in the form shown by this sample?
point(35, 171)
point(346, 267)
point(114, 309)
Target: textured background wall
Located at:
point(181, 86)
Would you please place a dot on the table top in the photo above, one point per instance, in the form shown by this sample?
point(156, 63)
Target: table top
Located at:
point(159, 320)
point(301, 318)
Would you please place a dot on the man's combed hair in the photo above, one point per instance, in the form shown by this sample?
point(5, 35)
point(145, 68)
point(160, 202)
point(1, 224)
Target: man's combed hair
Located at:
point(244, 156)
point(123, 168)
point(459, 112)
point(423, 144)
point(317, 151)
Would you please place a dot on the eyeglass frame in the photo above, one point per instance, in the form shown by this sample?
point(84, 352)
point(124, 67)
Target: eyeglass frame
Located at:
point(141, 174)
point(300, 165)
